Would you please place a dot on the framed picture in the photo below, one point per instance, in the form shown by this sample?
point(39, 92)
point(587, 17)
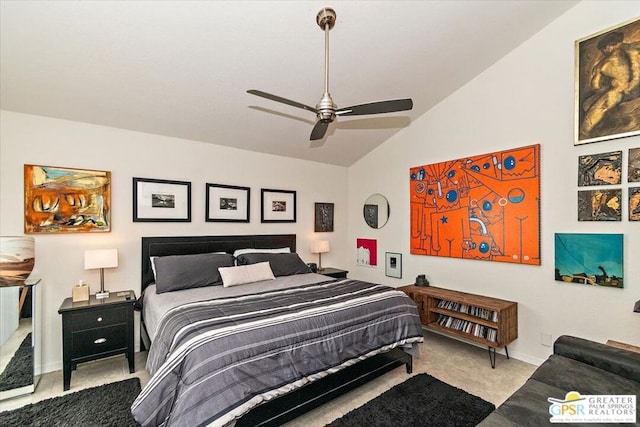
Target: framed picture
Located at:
point(606, 93)
point(393, 265)
point(323, 217)
point(481, 207)
point(227, 203)
point(278, 205)
point(159, 200)
point(600, 169)
point(634, 204)
point(589, 259)
point(600, 205)
point(367, 252)
point(66, 200)
point(633, 171)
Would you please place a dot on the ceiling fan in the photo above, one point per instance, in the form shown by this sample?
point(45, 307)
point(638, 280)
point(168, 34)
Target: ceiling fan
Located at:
point(326, 111)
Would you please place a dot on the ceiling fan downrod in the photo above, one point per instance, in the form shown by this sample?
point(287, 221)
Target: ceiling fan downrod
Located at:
point(326, 110)
point(326, 20)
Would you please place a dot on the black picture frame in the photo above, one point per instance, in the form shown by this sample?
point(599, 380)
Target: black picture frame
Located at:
point(393, 265)
point(323, 220)
point(161, 200)
point(227, 203)
point(277, 205)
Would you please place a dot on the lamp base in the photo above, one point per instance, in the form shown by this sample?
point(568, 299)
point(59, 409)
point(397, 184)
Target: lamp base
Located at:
point(102, 294)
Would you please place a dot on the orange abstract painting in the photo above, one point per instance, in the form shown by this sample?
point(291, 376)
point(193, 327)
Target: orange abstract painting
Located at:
point(63, 200)
point(484, 207)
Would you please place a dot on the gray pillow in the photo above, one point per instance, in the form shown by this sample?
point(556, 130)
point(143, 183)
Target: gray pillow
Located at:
point(281, 264)
point(176, 272)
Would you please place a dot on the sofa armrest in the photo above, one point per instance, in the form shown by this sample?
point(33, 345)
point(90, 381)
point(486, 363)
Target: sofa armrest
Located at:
point(615, 360)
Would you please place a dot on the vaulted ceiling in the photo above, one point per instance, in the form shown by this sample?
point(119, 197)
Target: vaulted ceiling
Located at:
point(182, 68)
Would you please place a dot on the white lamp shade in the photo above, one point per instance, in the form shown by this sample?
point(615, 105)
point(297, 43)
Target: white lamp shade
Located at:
point(319, 246)
point(100, 258)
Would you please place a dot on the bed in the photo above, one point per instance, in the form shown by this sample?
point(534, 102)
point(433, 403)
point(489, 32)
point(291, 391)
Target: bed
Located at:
point(264, 352)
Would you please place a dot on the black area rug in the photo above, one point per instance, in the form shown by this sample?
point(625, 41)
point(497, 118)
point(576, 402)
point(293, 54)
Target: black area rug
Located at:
point(102, 406)
point(420, 401)
point(19, 371)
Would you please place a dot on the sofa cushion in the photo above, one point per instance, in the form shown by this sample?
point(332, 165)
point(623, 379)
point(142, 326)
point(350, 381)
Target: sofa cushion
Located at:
point(618, 361)
point(528, 406)
point(497, 420)
point(570, 375)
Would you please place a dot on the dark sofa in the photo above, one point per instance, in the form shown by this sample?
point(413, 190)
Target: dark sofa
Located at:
point(580, 365)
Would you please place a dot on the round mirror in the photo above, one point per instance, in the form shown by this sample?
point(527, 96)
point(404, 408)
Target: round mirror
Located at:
point(376, 211)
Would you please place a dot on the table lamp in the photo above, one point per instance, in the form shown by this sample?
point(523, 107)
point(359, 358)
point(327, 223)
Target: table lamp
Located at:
point(319, 247)
point(101, 258)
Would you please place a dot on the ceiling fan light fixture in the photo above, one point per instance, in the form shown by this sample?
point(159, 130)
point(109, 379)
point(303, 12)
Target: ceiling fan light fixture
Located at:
point(326, 110)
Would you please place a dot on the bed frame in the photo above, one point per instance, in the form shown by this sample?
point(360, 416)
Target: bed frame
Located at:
point(297, 402)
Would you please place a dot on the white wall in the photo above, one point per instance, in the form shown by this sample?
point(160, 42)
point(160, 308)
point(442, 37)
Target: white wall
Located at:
point(526, 98)
point(27, 139)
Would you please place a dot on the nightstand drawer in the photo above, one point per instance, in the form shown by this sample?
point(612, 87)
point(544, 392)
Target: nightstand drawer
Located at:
point(98, 318)
point(96, 329)
point(100, 340)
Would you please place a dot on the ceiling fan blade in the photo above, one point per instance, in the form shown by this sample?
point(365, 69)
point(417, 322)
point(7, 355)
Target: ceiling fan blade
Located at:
point(319, 130)
point(376, 107)
point(281, 99)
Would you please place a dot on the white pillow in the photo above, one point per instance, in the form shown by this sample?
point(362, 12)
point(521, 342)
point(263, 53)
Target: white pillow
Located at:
point(233, 276)
point(239, 252)
point(153, 265)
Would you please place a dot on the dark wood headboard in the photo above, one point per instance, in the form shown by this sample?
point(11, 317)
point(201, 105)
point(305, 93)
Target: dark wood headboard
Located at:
point(163, 246)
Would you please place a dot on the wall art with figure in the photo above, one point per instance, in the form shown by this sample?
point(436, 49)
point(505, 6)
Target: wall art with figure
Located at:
point(483, 207)
point(608, 84)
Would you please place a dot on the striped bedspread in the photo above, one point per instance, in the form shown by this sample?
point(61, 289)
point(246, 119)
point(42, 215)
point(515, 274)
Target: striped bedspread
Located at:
point(212, 361)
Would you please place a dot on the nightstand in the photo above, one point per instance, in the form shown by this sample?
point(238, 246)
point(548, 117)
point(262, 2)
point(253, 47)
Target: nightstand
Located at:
point(334, 272)
point(95, 329)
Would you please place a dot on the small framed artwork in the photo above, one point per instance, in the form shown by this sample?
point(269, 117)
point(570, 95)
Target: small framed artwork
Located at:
point(634, 204)
point(590, 259)
point(227, 203)
point(159, 200)
point(393, 265)
point(633, 171)
point(323, 217)
point(367, 252)
point(278, 205)
point(604, 89)
point(600, 169)
point(600, 205)
point(66, 200)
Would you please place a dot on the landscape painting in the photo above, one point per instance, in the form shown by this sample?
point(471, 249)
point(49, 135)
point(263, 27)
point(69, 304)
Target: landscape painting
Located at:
point(482, 207)
point(589, 259)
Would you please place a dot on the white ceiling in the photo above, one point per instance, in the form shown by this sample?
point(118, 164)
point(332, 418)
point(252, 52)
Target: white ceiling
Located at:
point(182, 68)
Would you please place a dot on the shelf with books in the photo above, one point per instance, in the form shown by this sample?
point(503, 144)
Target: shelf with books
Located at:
point(485, 320)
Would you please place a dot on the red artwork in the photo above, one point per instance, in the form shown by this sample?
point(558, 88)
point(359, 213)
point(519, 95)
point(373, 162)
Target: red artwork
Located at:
point(484, 207)
point(367, 252)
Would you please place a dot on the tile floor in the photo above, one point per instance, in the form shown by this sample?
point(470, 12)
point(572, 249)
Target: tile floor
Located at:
point(459, 364)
